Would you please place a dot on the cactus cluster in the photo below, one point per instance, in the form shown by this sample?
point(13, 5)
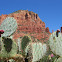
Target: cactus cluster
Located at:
point(7, 46)
point(37, 49)
point(9, 25)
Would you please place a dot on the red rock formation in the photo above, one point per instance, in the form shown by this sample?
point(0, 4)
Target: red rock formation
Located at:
point(28, 22)
point(47, 29)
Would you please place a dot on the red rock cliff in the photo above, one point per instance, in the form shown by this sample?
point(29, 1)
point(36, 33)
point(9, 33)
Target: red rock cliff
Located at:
point(28, 22)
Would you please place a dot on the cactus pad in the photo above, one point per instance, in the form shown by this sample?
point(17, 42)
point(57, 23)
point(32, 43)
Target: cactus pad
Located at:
point(25, 41)
point(37, 50)
point(56, 43)
point(9, 25)
point(9, 48)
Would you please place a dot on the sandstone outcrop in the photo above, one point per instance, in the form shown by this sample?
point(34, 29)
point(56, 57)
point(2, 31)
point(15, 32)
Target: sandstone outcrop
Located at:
point(28, 22)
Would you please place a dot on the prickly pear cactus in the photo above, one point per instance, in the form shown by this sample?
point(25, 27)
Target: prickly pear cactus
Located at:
point(55, 43)
point(9, 25)
point(25, 40)
point(9, 48)
point(37, 50)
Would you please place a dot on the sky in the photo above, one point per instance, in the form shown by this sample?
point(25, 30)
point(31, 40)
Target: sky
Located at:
point(49, 11)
